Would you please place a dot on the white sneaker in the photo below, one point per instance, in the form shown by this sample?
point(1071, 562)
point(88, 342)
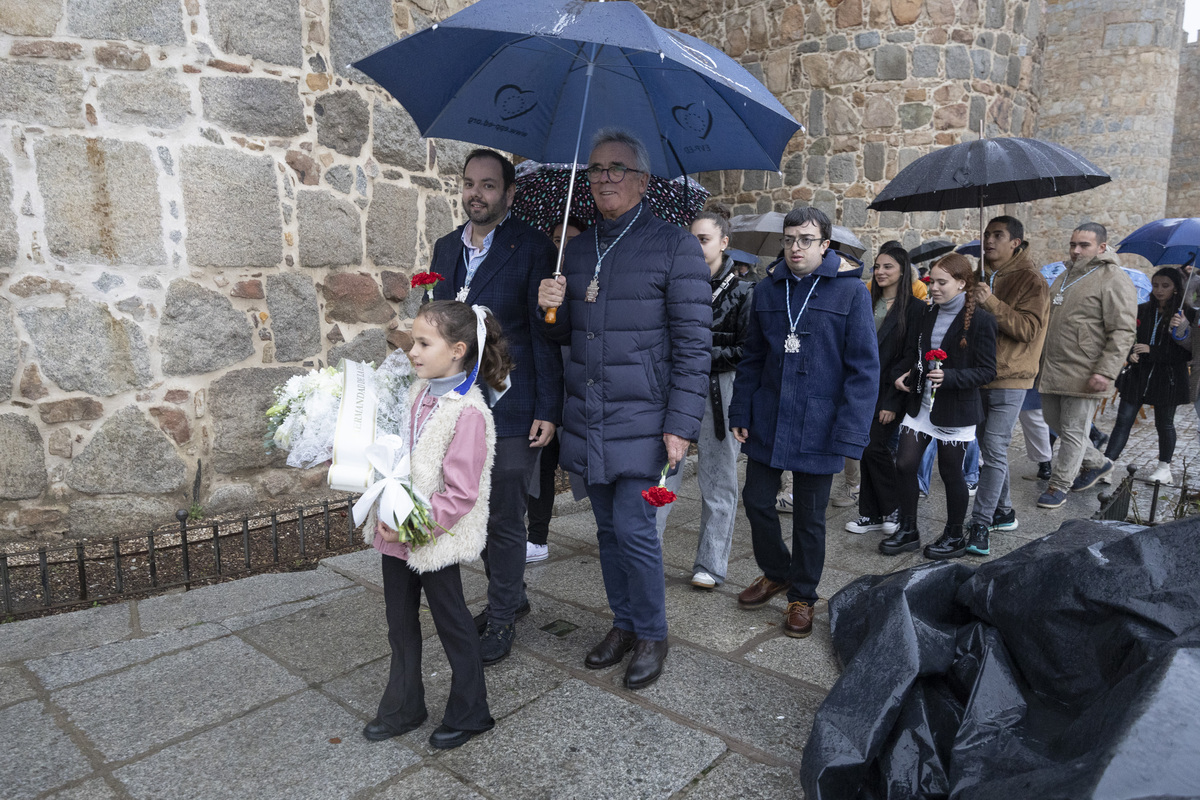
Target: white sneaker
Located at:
point(891, 523)
point(536, 552)
point(846, 498)
point(783, 504)
point(1162, 474)
point(865, 524)
point(702, 580)
point(972, 488)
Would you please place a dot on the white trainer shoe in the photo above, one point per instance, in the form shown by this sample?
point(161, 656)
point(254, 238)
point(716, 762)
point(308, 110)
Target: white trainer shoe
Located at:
point(783, 504)
point(536, 552)
point(702, 580)
point(1162, 474)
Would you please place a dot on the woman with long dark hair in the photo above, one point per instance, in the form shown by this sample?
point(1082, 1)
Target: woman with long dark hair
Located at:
point(944, 403)
point(897, 312)
point(1157, 371)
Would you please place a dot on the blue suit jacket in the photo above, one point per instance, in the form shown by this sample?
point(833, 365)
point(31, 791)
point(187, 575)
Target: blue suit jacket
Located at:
point(507, 283)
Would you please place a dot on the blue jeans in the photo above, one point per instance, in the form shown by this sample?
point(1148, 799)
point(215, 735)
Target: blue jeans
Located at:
point(970, 465)
point(801, 568)
point(631, 556)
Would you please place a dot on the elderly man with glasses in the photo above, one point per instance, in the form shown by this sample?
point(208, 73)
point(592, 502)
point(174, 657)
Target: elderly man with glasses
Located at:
point(634, 305)
point(803, 400)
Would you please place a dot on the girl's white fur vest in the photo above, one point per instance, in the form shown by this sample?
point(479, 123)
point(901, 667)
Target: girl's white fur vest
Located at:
point(470, 532)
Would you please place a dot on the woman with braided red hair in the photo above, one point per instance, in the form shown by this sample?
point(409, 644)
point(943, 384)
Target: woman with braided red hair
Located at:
point(951, 354)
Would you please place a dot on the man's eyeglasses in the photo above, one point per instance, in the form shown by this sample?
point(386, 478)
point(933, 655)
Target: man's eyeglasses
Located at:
point(616, 172)
point(805, 242)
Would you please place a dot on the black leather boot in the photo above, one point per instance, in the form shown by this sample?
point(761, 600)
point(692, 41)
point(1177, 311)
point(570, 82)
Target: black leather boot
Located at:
point(906, 538)
point(952, 544)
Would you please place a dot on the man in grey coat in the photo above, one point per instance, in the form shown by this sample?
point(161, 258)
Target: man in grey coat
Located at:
point(634, 303)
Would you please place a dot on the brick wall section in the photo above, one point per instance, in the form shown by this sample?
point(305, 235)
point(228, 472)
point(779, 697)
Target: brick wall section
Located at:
point(877, 83)
point(197, 200)
point(1111, 71)
point(1183, 189)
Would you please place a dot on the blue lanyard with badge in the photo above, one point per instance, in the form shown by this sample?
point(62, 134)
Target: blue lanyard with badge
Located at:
point(792, 343)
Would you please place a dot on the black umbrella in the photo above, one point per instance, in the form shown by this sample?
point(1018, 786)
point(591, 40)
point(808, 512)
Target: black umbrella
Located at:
point(928, 251)
point(989, 172)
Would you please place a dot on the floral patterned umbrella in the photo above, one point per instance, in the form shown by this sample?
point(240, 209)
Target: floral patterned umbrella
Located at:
point(542, 190)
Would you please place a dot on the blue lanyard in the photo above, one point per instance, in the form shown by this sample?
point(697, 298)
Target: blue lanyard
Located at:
point(788, 295)
point(1154, 330)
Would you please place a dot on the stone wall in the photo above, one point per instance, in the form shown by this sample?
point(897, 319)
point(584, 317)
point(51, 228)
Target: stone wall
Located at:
point(1111, 71)
point(1183, 188)
point(198, 199)
point(877, 83)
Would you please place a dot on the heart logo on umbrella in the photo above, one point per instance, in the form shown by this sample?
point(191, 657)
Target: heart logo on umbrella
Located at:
point(698, 122)
point(512, 101)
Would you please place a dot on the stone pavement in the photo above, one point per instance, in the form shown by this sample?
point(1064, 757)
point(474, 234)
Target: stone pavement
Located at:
point(258, 688)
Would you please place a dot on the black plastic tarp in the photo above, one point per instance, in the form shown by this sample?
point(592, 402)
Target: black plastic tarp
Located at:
point(1069, 668)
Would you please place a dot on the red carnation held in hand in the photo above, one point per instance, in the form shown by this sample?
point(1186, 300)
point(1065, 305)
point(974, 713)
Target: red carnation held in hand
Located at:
point(935, 355)
point(659, 495)
point(426, 279)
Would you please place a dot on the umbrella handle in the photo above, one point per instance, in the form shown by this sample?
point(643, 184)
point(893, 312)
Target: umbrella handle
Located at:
point(551, 316)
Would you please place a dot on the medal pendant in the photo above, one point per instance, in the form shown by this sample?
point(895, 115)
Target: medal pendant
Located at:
point(462, 294)
point(593, 291)
point(1058, 299)
point(791, 344)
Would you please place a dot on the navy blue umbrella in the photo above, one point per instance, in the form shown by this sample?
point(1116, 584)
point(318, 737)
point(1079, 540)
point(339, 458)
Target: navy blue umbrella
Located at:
point(930, 250)
point(971, 248)
point(535, 77)
point(1167, 241)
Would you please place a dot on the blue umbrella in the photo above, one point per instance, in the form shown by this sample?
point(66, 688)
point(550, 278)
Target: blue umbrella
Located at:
point(534, 77)
point(971, 248)
point(1167, 241)
point(1140, 282)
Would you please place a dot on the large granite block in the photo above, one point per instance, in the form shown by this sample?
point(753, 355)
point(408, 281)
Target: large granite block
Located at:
point(295, 317)
point(269, 30)
point(138, 709)
point(63, 633)
point(238, 403)
point(392, 226)
point(30, 17)
point(154, 100)
point(396, 138)
point(358, 28)
point(129, 454)
point(42, 94)
point(201, 331)
point(330, 231)
point(23, 468)
point(232, 206)
point(81, 347)
point(101, 199)
point(343, 122)
point(257, 106)
point(149, 21)
point(9, 241)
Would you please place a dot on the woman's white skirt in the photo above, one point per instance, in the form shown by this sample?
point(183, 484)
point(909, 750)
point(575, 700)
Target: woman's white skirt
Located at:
point(922, 424)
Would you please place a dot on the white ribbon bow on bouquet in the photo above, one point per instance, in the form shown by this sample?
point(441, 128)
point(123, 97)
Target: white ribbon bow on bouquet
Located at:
point(394, 491)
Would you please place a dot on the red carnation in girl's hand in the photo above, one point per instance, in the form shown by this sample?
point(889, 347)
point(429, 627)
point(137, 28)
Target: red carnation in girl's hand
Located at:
point(935, 355)
point(926, 280)
point(659, 495)
point(430, 279)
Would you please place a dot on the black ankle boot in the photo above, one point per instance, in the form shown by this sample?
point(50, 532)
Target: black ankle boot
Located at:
point(952, 544)
point(906, 538)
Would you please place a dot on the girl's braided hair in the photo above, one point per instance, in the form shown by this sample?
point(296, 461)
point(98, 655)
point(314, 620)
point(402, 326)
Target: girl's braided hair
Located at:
point(960, 269)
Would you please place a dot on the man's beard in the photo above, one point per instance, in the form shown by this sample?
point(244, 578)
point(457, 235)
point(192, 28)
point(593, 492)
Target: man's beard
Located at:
point(486, 216)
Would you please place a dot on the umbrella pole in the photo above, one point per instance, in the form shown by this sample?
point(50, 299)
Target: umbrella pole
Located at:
point(981, 275)
point(552, 313)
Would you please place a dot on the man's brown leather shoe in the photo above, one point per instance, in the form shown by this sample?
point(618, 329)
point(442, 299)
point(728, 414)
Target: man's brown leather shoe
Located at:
point(611, 650)
point(758, 593)
point(797, 620)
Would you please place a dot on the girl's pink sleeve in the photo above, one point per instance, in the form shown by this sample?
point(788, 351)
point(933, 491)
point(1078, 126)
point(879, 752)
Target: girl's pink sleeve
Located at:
point(462, 470)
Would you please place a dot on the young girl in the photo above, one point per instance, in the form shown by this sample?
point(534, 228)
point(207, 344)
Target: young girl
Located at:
point(967, 334)
point(452, 446)
point(897, 312)
point(1158, 371)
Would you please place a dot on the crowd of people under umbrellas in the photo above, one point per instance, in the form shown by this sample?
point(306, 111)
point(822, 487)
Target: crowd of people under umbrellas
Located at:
point(659, 340)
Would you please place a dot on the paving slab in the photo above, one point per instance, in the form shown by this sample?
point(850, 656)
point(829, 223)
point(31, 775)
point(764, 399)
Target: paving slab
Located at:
point(580, 631)
point(153, 703)
point(710, 619)
point(329, 639)
point(811, 660)
point(37, 755)
point(427, 783)
point(362, 566)
point(237, 598)
point(56, 672)
point(764, 711)
point(95, 789)
point(577, 578)
point(62, 633)
point(254, 618)
point(580, 741)
point(15, 685)
point(580, 526)
point(304, 747)
point(738, 776)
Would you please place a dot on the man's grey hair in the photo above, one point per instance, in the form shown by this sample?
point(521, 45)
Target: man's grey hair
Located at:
point(641, 155)
point(1096, 228)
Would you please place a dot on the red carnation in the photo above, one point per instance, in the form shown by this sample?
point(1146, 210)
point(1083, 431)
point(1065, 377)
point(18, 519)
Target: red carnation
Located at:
point(659, 495)
point(935, 355)
point(426, 279)
point(926, 280)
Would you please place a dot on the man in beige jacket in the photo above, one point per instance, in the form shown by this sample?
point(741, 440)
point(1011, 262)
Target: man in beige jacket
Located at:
point(1093, 312)
point(1015, 292)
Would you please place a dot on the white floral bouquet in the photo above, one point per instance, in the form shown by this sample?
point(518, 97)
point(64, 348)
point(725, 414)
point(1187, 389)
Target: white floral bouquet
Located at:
point(303, 419)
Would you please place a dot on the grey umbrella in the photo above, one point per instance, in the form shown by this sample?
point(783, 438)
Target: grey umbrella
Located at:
point(762, 234)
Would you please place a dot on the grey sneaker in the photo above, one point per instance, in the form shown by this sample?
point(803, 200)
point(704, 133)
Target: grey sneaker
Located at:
point(783, 504)
point(846, 498)
point(1090, 477)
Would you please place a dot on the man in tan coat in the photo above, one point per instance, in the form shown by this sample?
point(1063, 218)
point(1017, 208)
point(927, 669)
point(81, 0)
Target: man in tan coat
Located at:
point(1015, 292)
point(1093, 312)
